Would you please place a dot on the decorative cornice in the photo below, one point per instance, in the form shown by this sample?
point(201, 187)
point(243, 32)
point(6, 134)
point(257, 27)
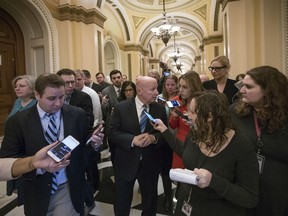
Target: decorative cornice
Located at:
point(80, 14)
point(213, 39)
point(153, 61)
point(137, 48)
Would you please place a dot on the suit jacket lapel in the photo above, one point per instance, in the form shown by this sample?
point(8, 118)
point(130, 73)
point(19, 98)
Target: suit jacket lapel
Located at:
point(132, 110)
point(67, 120)
point(34, 118)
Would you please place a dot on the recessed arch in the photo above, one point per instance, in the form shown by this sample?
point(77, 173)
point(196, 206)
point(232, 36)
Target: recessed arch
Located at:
point(39, 32)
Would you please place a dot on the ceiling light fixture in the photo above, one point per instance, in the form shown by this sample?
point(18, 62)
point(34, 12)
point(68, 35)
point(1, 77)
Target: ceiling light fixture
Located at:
point(176, 54)
point(165, 31)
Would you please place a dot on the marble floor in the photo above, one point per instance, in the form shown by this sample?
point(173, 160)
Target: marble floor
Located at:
point(103, 197)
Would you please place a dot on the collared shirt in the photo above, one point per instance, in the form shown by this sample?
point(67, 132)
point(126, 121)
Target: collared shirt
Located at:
point(117, 90)
point(61, 177)
point(139, 107)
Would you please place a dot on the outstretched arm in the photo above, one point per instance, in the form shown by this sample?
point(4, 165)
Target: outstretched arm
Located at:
point(39, 160)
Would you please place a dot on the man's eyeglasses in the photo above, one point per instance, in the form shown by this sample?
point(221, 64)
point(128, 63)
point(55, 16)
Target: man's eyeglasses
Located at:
point(69, 82)
point(217, 69)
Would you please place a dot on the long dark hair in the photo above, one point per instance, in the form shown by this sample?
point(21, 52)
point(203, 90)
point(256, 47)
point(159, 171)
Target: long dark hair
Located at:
point(212, 104)
point(274, 110)
point(123, 87)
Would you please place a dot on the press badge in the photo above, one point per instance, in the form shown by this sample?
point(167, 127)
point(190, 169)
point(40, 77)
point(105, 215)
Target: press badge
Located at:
point(261, 160)
point(186, 208)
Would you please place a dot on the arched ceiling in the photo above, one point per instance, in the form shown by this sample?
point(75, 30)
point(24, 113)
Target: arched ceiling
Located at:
point(191, 15)
point(157, 5)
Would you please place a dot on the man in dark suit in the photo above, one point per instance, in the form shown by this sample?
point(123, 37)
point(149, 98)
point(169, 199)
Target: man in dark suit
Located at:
point(25, 134)
point(111, 96)
point(81, 99)
point(75, 97)
point(89, 83)
point(100, 77)
point(137, 153)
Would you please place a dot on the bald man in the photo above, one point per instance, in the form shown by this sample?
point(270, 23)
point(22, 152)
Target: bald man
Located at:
point(138, 151)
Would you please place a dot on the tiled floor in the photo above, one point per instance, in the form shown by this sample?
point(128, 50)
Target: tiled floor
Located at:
point(104, 197)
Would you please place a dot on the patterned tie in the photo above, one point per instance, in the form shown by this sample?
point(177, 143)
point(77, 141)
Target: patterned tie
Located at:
point(51, 135)
point(51, 132)
point(143, 118)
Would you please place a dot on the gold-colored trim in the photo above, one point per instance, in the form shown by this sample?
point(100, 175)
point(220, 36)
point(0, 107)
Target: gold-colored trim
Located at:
point(137, 48)
point(80, 14)
point(213, 39)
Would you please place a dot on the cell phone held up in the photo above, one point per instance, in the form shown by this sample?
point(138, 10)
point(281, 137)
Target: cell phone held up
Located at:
point(172, 103)
point(63, 148)
point(161, 100)
point(150, 117)
point(89, 142)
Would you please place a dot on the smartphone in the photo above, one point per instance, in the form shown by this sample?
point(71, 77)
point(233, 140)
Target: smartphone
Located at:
point(179, 113)
point(172, 103)
point(150, 118)
point(59, 151)
point(100, 131)
point(166, 73)
point(161, 100)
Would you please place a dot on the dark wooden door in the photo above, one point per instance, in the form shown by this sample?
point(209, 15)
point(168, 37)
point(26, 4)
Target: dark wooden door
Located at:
point(7, 73)
point(12, 62)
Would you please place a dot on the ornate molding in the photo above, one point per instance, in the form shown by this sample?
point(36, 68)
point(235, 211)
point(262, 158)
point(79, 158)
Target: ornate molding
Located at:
point(213, 39)
point(80, 14)
point(137, 48)
point(137, 21)
point(51, 28)
point(153, 61)
point(202, 11)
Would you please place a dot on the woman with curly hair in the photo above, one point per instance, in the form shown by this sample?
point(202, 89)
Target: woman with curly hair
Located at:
point(221, 157)
point(262, 115)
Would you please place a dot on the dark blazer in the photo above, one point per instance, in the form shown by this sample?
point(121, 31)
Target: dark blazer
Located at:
point(230, 90)
point(107, 109)
point(97, 88)
point(124, 126)
point(24, 137)
point(84, 101)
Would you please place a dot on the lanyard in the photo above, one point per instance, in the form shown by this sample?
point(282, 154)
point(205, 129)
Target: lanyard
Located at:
point(259, 142)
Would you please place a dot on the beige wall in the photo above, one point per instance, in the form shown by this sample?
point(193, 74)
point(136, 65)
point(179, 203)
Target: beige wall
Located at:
point(255, 35)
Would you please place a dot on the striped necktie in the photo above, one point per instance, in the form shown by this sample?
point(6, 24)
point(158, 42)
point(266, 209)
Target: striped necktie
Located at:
point(51, 135)
point(143, 118)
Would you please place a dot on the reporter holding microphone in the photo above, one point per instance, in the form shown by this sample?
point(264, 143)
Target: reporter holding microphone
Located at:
point(222, 158)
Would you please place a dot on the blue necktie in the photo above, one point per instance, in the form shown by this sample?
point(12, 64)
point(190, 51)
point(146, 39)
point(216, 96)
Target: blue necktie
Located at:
point(143, 118)
point(51, 135)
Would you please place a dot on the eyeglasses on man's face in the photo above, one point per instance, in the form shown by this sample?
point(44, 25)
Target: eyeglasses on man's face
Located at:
point(217, 69)
point(67, 83)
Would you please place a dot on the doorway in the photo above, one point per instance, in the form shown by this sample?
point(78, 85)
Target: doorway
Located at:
point(12, 63)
